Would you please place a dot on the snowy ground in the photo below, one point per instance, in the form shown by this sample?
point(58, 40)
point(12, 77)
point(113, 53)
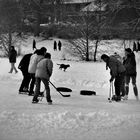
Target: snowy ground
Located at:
point(73, 118)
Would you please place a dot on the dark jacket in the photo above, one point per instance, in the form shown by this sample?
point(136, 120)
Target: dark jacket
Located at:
point(130, 64)
point(116, 67)
point(12, 56)
point(24, 63)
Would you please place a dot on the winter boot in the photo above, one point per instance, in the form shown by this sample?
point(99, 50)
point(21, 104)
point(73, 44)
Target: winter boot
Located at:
point(31, 93)
point(35, 100)
point(41, 94)
point(49, 102)
point(118, 98)
point(125, 97)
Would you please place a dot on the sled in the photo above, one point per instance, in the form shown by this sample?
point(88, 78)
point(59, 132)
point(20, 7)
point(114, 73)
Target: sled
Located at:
point(64, 89)
point(87, 92)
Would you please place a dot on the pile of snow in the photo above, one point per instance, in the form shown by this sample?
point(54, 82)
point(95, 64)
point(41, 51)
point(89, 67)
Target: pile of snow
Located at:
point(61, 125)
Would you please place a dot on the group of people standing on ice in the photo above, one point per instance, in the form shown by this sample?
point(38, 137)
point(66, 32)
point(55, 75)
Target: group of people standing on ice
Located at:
point(38, 67)
point(35, 68)
point(122, 70)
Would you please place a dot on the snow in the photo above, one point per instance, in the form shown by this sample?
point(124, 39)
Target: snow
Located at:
point(69, 118)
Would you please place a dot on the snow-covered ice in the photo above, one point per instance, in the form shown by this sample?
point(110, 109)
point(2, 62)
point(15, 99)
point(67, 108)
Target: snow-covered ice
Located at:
point(69, 118)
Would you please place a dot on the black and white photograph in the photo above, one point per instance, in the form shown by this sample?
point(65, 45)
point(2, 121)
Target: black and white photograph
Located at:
point(70, 69)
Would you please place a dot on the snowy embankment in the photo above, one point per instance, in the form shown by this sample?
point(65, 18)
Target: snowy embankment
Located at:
point(72, 118)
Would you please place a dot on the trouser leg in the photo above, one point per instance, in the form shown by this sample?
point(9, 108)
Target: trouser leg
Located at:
point(126, 89)
point(135, 90)
point(37, 88)
point(14, 68)
point(123, 87)
point(11, 70)
point(32, 83)
point(48, 96)
point(117, 85)
point(127, 81)
point(22, 86)
point(27, 80)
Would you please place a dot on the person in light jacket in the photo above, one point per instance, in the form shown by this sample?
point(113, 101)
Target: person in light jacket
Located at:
point(43, 73)
point(35, 58)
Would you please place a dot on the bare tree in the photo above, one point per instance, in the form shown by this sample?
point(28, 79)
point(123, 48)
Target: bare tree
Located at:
point(124, 17)
point(89, 31)
point(10, 20)
point(83, 32)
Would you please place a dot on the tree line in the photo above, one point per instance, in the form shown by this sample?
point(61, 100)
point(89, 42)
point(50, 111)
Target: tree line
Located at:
point(120, 19)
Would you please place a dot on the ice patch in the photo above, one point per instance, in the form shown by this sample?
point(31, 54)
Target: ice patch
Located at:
point(82, 82)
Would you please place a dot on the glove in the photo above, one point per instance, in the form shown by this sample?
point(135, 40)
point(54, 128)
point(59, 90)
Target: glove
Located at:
point(19, 67)
point(111, 79)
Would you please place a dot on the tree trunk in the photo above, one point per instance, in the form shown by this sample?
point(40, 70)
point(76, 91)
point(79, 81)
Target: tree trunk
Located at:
point(96, 46)
point(37, 24)
point(87, 51)
point(9, 40)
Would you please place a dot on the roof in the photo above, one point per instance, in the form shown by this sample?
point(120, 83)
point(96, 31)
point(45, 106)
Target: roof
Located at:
point(93, 7)
point(77, 1)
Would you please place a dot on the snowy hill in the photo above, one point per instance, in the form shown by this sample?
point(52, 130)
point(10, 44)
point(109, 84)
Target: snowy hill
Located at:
point(69, 118)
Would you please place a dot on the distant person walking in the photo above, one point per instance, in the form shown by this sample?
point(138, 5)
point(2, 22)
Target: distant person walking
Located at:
point(43, 73)
point(12, 59)
point(117, 72)
point(135, 47)
point(131, 73)
point(55, 46)
point(138, 46)
point(59, 45)
point(34, 44)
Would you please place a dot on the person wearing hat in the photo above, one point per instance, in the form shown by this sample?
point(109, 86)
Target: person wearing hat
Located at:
point(43, 73)
point(117, 72)
point(131, 73)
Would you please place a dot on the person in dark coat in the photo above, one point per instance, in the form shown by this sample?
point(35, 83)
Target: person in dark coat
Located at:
point(117, 72)
point(12, 59)
point(23, 66)
point(55, 46)
point(138, 46)
point(59, 45)
point(135, 47)
point(131, 73)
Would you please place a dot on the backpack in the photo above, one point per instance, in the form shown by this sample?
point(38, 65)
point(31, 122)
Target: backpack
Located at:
point(117, 56)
